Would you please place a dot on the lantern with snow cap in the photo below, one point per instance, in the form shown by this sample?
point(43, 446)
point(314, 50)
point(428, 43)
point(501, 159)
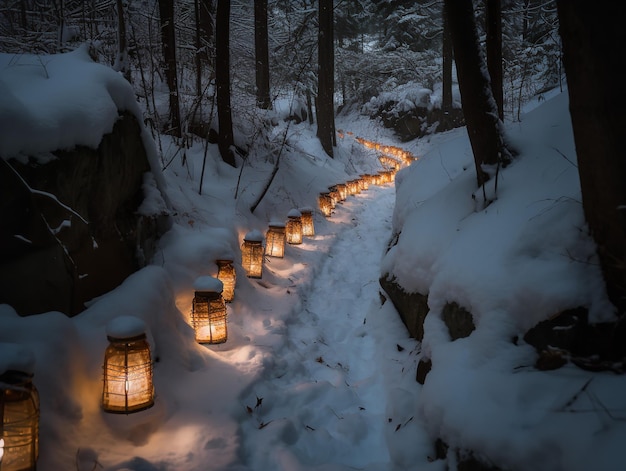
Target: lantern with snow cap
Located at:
point(208, 315)
point(275, 239)
point(293, 228)
point(252, 254)
point(19, 410)
point(227, 275)
point(325, 204)
point(127, 383)
point(308, 227)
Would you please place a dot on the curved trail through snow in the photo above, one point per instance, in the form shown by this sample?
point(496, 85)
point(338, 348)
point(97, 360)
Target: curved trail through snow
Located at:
point(324, 400)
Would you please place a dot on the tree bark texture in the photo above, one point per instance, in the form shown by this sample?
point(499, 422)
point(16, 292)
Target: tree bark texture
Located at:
point(262, 55)
point(168, 41)
point(446, 94)
point(493, 21)
point(593, 59)
point(326, 73)
point(479, 107)
point(225, 139)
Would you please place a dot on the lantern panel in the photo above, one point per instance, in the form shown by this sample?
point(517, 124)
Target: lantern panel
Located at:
point(252, 258)
point(208, 317)
point(19, 432)
point(275, 241)
point(308, 227)
point(127, 375)
point(343, 191)
point(325, 204)
point(293, 230)
point(227, 275)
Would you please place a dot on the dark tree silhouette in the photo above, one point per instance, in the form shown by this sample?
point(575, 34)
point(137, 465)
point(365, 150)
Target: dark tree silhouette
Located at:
point(479, 108)
point(262, 55)
point(593, 60)
point(493, 20)
point(225, 139)
point(446, 93)
point(325, 76)
point(168, 41)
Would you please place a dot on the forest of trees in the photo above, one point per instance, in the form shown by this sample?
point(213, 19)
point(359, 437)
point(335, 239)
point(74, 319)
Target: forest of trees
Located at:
point(196, 49)
point(221, 65)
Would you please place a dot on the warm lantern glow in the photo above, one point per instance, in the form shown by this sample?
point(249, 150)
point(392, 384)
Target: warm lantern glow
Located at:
point(127, 368)
point(308, 228)
point(365, 181)
point(335, 197)
point(252, 254)
point(343, 191)
point(275, 240)
point(293, 228)
point(19, 422)
point(208, 316)
point(325, 204)
point(227, 275)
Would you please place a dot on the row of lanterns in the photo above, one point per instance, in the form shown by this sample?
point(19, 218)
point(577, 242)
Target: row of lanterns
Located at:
point(404, 156)
point(328, 200)
point(209, 313)
point(299, 224)
point(127, 370)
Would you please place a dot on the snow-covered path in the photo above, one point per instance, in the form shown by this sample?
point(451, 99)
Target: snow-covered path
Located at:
point(321, 403)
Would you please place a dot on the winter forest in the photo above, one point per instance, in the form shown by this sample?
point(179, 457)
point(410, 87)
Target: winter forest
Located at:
point(282, 235)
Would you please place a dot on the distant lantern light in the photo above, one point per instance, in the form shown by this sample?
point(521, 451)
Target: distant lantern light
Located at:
point(335, 197)
point(293, 228)
point(227, 275)
point(353, 186)
point(365, 181)
point(252, 254)
point(19, 421)
point(275, 239)
point(308, 227)
point(127, 367)
point(325, 204)
point(343, 191)
point(208, 314)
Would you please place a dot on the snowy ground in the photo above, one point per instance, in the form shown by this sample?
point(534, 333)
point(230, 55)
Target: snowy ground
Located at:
point(317, 374)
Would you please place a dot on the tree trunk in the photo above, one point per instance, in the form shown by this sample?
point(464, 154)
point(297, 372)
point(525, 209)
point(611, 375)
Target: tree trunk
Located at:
point(225, 139)
point(446, 93)
point(262, 55)
point(597, 101)
point(205, 26)
point(479, 107)
point(121, 60)
point(326, 72)
point(493, 21)
point(168, 41)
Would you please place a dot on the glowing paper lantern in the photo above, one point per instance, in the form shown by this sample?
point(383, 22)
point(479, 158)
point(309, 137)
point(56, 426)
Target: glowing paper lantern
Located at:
point(208, 315)
point(127, 367)
point(343, 191)
point(293, 228)
point(252, 254)
point(325, 204)
point(19, 421)
point(308, 228)
point(227, 275)
point(275, 239)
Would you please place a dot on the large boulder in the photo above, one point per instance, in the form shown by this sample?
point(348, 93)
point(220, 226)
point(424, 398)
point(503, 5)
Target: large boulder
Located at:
point(72, 229)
